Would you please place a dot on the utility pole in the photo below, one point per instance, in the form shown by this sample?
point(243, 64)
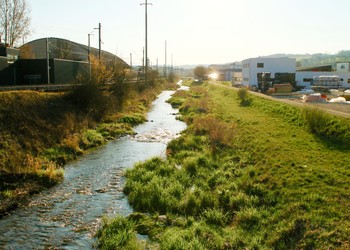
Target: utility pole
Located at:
point(48, 60)
point(99, 40)
point(130, 60)
point(146, 39)
point(165, 66)
point(143, 59)
point(89, 59)
point(172, 65)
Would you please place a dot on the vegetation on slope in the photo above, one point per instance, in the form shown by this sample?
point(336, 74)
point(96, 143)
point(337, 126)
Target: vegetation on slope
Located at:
point(246, 174)
point(41, 132)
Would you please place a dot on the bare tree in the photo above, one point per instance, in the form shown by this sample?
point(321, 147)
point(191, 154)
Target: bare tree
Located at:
point(14, 20)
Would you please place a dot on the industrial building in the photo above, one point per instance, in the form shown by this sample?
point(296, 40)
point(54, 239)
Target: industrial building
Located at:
point(226, 72)
point(306, 76)
point(264, 72)
point(48, 60)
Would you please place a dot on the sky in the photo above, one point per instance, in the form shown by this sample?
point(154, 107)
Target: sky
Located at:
point(197, 31)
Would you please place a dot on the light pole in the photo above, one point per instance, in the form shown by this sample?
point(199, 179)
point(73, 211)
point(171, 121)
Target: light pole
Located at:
point(48, 59)
point(146, 40)
point(89, 56)
point(99, 40)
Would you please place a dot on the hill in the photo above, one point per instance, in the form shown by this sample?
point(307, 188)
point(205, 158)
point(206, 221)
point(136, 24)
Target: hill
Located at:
point(318, 58)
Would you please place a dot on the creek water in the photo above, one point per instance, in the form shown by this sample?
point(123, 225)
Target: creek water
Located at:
point(68, 215)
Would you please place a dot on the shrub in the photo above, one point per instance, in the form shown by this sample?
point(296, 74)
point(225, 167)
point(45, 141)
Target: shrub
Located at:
point(315, 120)
point(91, 100)
point(243, 96)
point(220, 133)
point(334, 129)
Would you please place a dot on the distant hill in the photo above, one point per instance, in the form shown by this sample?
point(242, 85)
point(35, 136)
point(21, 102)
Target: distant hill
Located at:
point(302, 59)
point(318, 59)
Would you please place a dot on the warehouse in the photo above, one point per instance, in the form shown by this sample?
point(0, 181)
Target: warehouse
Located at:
point(48, 60)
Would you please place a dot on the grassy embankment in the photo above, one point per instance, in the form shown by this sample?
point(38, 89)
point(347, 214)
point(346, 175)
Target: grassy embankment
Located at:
point(248, 173)
point(40, 132)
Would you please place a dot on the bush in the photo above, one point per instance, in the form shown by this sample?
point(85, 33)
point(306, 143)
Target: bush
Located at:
point(315, 120)
point(333, 129)
point(91, 100)
point(243, 96)
point(220, 133)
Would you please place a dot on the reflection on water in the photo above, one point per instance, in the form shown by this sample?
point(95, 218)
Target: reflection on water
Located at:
point(68, 215)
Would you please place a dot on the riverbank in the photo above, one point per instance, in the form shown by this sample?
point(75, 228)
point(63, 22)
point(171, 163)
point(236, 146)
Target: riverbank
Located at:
point(249, 173)
point(41, 132)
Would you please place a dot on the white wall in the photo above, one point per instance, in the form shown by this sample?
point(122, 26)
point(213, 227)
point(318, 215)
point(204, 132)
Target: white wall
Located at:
point(286, 65)
point(303, 75)
point(273, 65)
point(343, 67)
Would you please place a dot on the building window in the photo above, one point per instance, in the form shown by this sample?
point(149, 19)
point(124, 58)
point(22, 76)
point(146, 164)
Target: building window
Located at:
point(260, 65)
point(307, 80)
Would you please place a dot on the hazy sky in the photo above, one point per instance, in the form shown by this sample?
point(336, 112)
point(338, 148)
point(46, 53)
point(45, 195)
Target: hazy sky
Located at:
point(198, 31)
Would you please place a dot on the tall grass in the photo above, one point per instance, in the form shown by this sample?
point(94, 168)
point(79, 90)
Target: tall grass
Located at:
point(333, 129)
point(219, 132)
point(272, 184)
point(118, 233)
point(55, 128)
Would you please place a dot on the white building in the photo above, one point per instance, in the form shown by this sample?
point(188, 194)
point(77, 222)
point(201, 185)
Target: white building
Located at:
point(276, 66)
point(305, 78)
point(226, 71)
point(253, 66)
point(343, 67)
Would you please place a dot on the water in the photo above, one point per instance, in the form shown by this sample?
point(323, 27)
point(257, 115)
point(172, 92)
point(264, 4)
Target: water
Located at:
point(68, 215)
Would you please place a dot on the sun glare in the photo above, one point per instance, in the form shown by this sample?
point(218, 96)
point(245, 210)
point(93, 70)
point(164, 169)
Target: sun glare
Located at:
point(213, 76)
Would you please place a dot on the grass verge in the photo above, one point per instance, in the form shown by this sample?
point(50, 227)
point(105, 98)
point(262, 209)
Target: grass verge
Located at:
point(244, 177)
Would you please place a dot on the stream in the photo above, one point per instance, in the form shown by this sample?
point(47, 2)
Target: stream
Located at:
point(68, 215)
